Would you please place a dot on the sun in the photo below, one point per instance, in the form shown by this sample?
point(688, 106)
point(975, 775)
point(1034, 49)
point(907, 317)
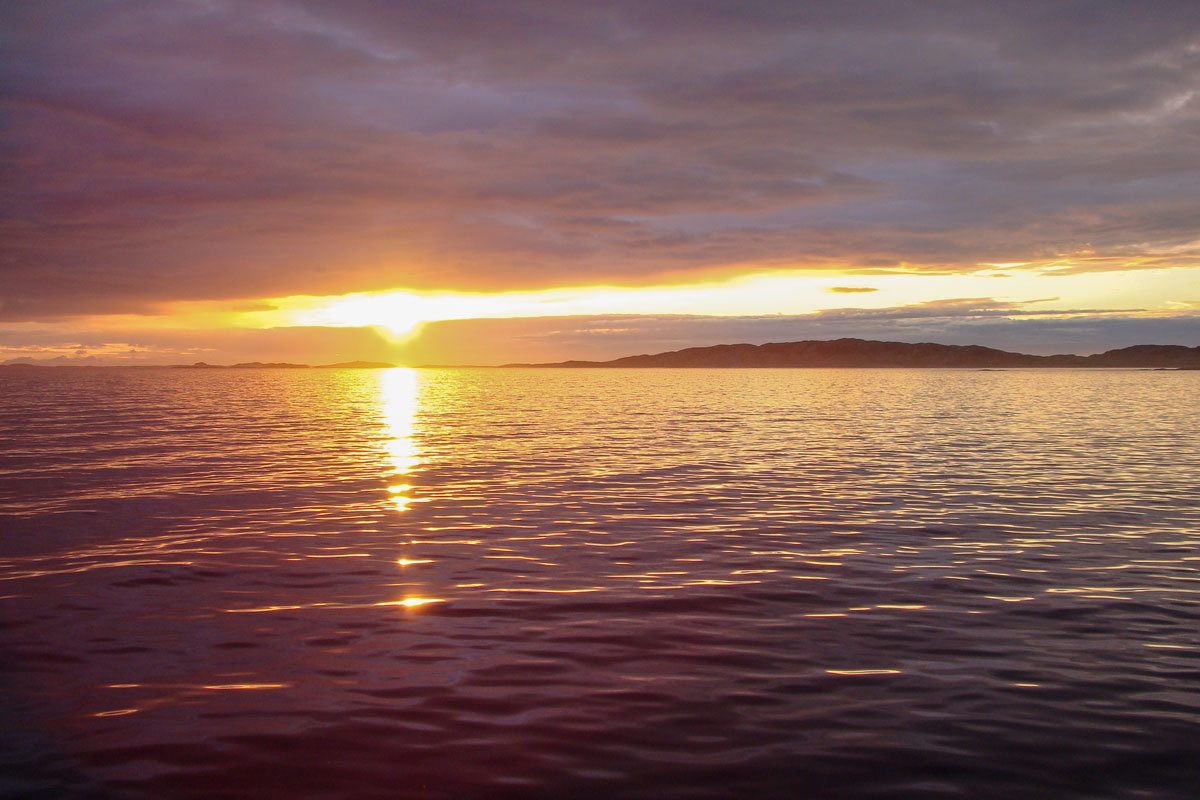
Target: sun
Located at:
point(401, 313)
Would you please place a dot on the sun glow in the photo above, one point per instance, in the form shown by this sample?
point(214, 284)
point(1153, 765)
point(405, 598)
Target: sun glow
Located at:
point(403, 312)
point(785, 292)
point(399, 312)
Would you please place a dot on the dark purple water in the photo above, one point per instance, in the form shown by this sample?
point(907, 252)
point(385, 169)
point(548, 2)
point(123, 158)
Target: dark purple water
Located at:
point(627, 584)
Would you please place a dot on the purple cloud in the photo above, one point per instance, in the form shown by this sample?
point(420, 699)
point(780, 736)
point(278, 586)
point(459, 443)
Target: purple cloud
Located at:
point(156, 152)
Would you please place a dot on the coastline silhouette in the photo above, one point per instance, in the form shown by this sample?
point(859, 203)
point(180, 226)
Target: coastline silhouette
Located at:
point(870, 353)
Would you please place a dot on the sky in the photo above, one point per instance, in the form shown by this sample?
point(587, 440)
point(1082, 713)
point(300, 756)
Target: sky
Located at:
point(483, 182)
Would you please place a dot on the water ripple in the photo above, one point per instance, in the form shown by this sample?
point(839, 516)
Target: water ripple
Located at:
point(646, 583)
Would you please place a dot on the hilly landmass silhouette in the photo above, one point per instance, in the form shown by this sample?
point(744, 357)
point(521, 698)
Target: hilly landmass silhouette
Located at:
point(869, 353)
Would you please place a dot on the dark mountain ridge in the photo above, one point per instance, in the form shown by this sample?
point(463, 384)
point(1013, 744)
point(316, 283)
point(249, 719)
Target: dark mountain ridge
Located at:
point(869, 353)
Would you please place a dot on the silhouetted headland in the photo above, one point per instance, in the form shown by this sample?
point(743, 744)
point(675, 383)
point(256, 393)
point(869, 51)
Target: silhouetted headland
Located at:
point(867, 353)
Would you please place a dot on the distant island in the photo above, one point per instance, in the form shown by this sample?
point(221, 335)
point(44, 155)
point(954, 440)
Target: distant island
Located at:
point(868, 353)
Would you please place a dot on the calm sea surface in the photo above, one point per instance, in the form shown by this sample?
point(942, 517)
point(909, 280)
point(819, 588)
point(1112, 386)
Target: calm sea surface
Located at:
point(609, 583)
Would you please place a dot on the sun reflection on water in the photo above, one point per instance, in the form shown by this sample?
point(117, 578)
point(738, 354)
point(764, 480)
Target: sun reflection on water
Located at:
point(409, 602)
point(398, 400)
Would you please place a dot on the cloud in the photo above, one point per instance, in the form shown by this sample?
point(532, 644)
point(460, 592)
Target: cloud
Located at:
point(852, 289)
point(156, 152)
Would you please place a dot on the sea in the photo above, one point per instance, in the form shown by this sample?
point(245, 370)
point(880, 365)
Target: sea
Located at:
point(604, 583)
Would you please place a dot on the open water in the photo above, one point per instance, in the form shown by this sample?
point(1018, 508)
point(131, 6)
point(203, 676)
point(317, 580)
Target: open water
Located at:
point(599, 583)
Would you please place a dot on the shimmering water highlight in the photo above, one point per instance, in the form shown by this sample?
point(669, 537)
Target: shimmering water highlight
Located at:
point(605, 583)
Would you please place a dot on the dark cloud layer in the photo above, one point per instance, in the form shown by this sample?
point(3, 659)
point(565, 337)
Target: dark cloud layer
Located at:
point(155, 151)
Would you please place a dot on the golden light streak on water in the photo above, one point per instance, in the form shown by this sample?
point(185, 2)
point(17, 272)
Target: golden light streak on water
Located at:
point(530, 590)
point(412, 601)
point(338, 555)
point(398, 394)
